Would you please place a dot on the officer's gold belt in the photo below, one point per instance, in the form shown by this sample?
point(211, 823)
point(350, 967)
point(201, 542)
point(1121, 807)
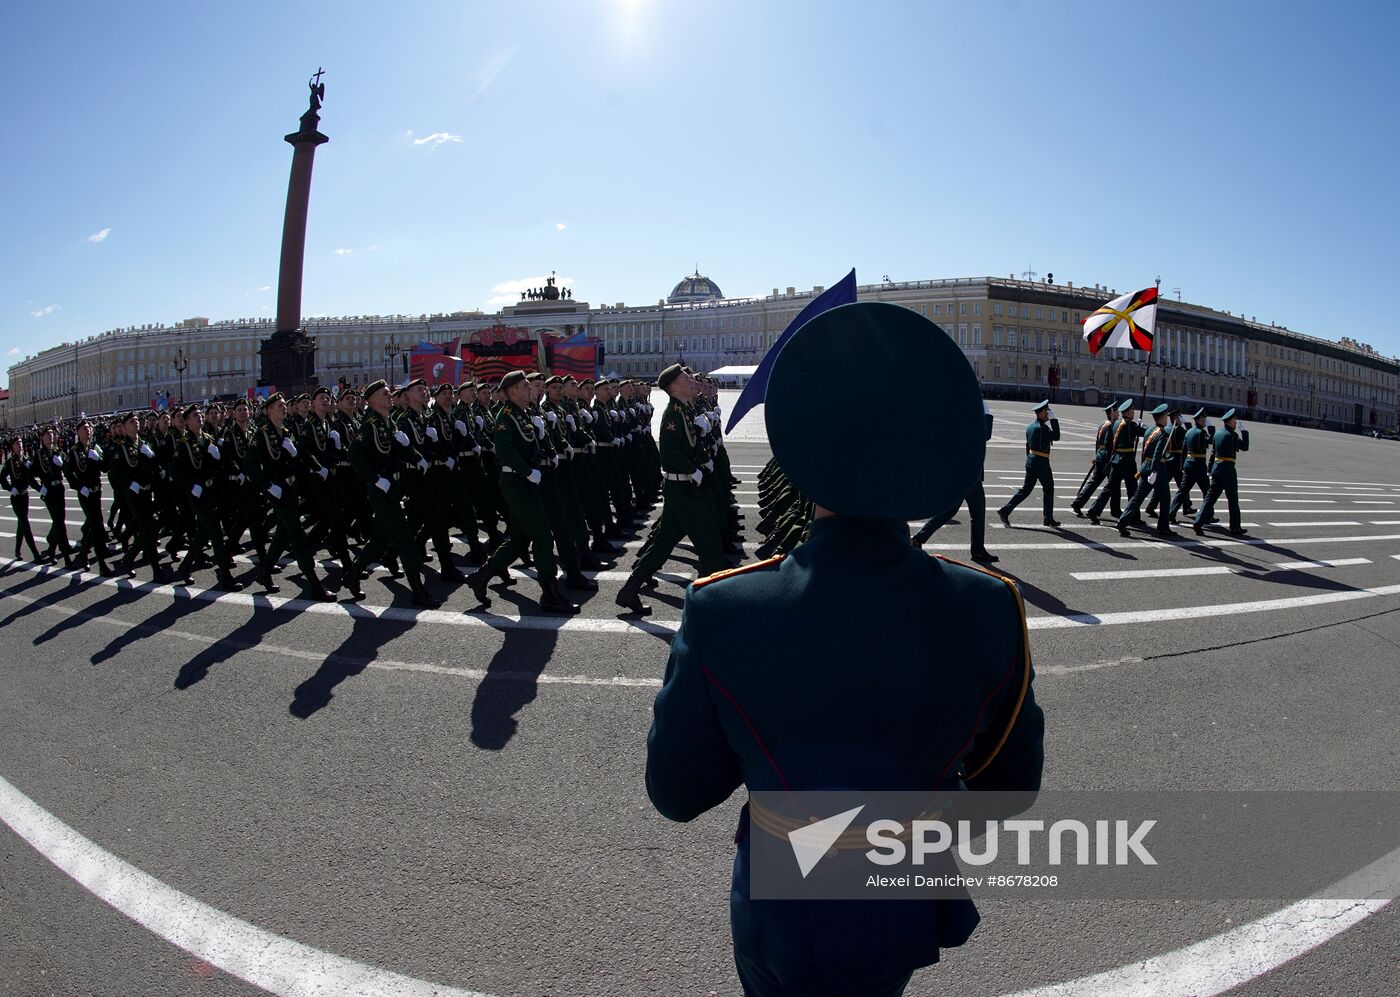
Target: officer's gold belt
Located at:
point(781, 826)
point(1125, 450)
point(1037, 453)
point(1227, 460)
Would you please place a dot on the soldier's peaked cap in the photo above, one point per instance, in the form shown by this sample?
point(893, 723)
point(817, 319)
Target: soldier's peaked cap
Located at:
point(373, 388)
point(1162, 409)
point(1043, 405)
point(322, 390)
point(1125, 405)
point(1228, 415)
point(919, 459)
point(1111, 406)
point(664, 379)
point(1200, 413)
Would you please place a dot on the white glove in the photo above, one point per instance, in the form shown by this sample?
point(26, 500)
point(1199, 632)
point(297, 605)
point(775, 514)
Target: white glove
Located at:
point(592, 447)
point(698, 476)
point(587, 416)
point(383, 484)
point(480, 422)
point(147, 451)
point(476, 449)
point(617, 441)
point(83, 491)
point(612, 413)
point(401, 437)
point(136, 488)
point(276, 491)
point(94, 455)
point(432, 434)
point(451, 463)
point(702, 423)
point(335, 438)
point(324, 473)
point(552, 417)
point(422, 464)
point(14, 491)
point(57, 461)
point(533, 477)
point(539, 423)
point(554, 460)
point(289, 446)
point(196, 490)
point(43, 490)
point(460, 426)
point(709, 465)
point(214, 451)
point(570, 420)
point(242, 477)
point(1152, 478)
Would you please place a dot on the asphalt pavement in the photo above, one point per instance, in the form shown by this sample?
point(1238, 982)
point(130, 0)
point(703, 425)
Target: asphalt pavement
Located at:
point(457, 797)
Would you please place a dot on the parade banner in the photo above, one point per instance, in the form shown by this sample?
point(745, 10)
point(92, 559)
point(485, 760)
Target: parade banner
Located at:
point(493, 353)
point(577, 356)
point(841, 293)
point(1126, 322)
point(435, 363)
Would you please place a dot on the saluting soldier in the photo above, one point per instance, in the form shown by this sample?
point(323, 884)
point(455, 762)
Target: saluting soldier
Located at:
point(1227, 446)
point(772, 683)
point(1193, 471)
point(1122, 445)
point(196, 473)
point(685, 513)
point(1099, 471)
point(378, 457)
point(1040, 434)
point(84, 470)
point(48, 477)
point(17, 477)
point(272, 466)
point(1153, 477)
point(521, 453)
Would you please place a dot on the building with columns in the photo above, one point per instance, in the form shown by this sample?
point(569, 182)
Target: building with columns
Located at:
point(1012, 331)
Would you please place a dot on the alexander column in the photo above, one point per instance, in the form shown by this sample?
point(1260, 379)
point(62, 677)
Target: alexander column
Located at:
point(289, 357)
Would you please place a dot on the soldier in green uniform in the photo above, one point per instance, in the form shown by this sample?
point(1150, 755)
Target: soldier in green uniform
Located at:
point(349, 491)
point(1122, 445)
point(1193, 471)
point(272, 466)
point(1176, 444)
point(1040, 434)
point(378, 457)
point(321, 449)
point(1229, 442)
point(520, 450)
point(245, 507)
point(472, 474)
point(84, 470)
point(1153, 477)
point(1100, 469)
point(855, 662)
point(685, 512)
point(131, 472)
point(48, 478)
point(195, 473)
point(17, 477)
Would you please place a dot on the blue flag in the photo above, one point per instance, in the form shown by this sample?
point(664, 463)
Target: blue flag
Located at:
point(841, 293)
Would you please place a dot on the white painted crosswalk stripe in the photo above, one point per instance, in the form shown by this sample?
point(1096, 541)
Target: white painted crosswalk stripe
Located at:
point(1223, 569)
point(1319, 522)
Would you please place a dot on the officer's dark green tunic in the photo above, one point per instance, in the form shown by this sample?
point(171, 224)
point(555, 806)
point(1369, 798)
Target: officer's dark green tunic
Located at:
point(519, 451)
point(1194, 469)
point(1154, 479)
point(1122, 446)
point(195, 473)
point(686, 512)
point(271, 464)
point(17, 477)
point(375, 457)
point(84, 472)
point(1039, 437)
point(48, 476)
point(1224, 476)
point(1103, 442)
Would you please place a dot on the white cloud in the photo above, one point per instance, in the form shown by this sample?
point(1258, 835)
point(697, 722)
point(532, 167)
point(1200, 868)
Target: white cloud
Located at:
point(99, 236)
point(343, 252)
point(487, 74)
point(265, 287)
point(559, 226)
point(436, 139)
point(508, 291)
point(371, 249)
point(13, 352)
point(46, 310)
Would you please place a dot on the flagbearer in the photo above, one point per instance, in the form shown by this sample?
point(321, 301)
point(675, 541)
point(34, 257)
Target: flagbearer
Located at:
point(1040, 434)
point(1229, 441)
point(1154, 477)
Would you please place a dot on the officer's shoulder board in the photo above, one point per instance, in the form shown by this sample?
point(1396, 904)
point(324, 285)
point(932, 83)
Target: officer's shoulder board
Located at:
point(741, 570)
point(1025, 665)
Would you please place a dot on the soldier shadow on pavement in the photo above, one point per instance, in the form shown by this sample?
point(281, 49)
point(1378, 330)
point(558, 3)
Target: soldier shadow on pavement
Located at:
point(179, 608)
point(511, 683)
point(117, 600)
point(367, 635)
point(247, 636)
point(1040, 598)
point(74, 584)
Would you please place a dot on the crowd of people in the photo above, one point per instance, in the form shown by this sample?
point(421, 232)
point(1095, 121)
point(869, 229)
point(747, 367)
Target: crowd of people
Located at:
point(545, 470)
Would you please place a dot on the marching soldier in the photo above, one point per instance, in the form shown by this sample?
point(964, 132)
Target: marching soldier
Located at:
point(771, 683)
point(1154, 477)
point(349, 491)
point(1040, 434)
point(425, 509)
point(195, 473)
point(1100, 469)
point(378, 457)
point(685, 512)
point(321, 449)
point(132, 472)
point(1122, 445)
point(17, 477)
point(272, 466)
point(1227, 446)
point(84, 470)
point(1176, 444)
point(48, 477)
point(976, 510)
point(245, 507)
point(1193, 471)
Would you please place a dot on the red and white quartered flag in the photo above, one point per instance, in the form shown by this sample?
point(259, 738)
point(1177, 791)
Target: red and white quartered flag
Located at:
point(1126, 322)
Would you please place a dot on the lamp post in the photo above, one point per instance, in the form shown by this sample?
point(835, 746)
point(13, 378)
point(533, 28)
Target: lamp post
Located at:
point(391, 350)
point(180, 363)
point(1054, 374)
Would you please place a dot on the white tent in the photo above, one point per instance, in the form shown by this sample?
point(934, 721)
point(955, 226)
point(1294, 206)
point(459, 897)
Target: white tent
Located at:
point(733, 377)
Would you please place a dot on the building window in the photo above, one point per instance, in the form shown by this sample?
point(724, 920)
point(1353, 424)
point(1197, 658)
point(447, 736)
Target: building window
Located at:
point(996, 309)
point(937, 310)
point(977, 308)
point(962, 308)
point(977, 334)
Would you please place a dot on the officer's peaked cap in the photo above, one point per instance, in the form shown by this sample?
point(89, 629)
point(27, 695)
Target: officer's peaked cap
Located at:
point(1125, 405)
point(1228, 415)
point(1162, 409)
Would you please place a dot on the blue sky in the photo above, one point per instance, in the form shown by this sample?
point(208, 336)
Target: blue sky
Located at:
point(1244, 151)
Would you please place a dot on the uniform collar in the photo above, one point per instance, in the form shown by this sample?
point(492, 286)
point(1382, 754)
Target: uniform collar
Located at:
point(852, 532)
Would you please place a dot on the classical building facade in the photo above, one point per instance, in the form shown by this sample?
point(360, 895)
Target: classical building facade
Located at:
point(1013, 332)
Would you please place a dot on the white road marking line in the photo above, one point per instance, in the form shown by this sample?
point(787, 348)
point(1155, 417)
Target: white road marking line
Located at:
point(476, 618)
point(1169, 544)
point(1362, 501)
point(1223, 962)
point(1307, 501)
point(1320, 481)
point(1385, 522)
point(241, 949)
point(1320, 522)
point(1263, 569)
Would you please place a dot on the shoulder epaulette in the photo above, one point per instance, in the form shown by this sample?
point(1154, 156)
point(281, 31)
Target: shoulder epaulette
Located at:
point(742, 569)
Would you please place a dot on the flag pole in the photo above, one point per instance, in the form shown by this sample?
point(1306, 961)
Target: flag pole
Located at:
point(1146, 399)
